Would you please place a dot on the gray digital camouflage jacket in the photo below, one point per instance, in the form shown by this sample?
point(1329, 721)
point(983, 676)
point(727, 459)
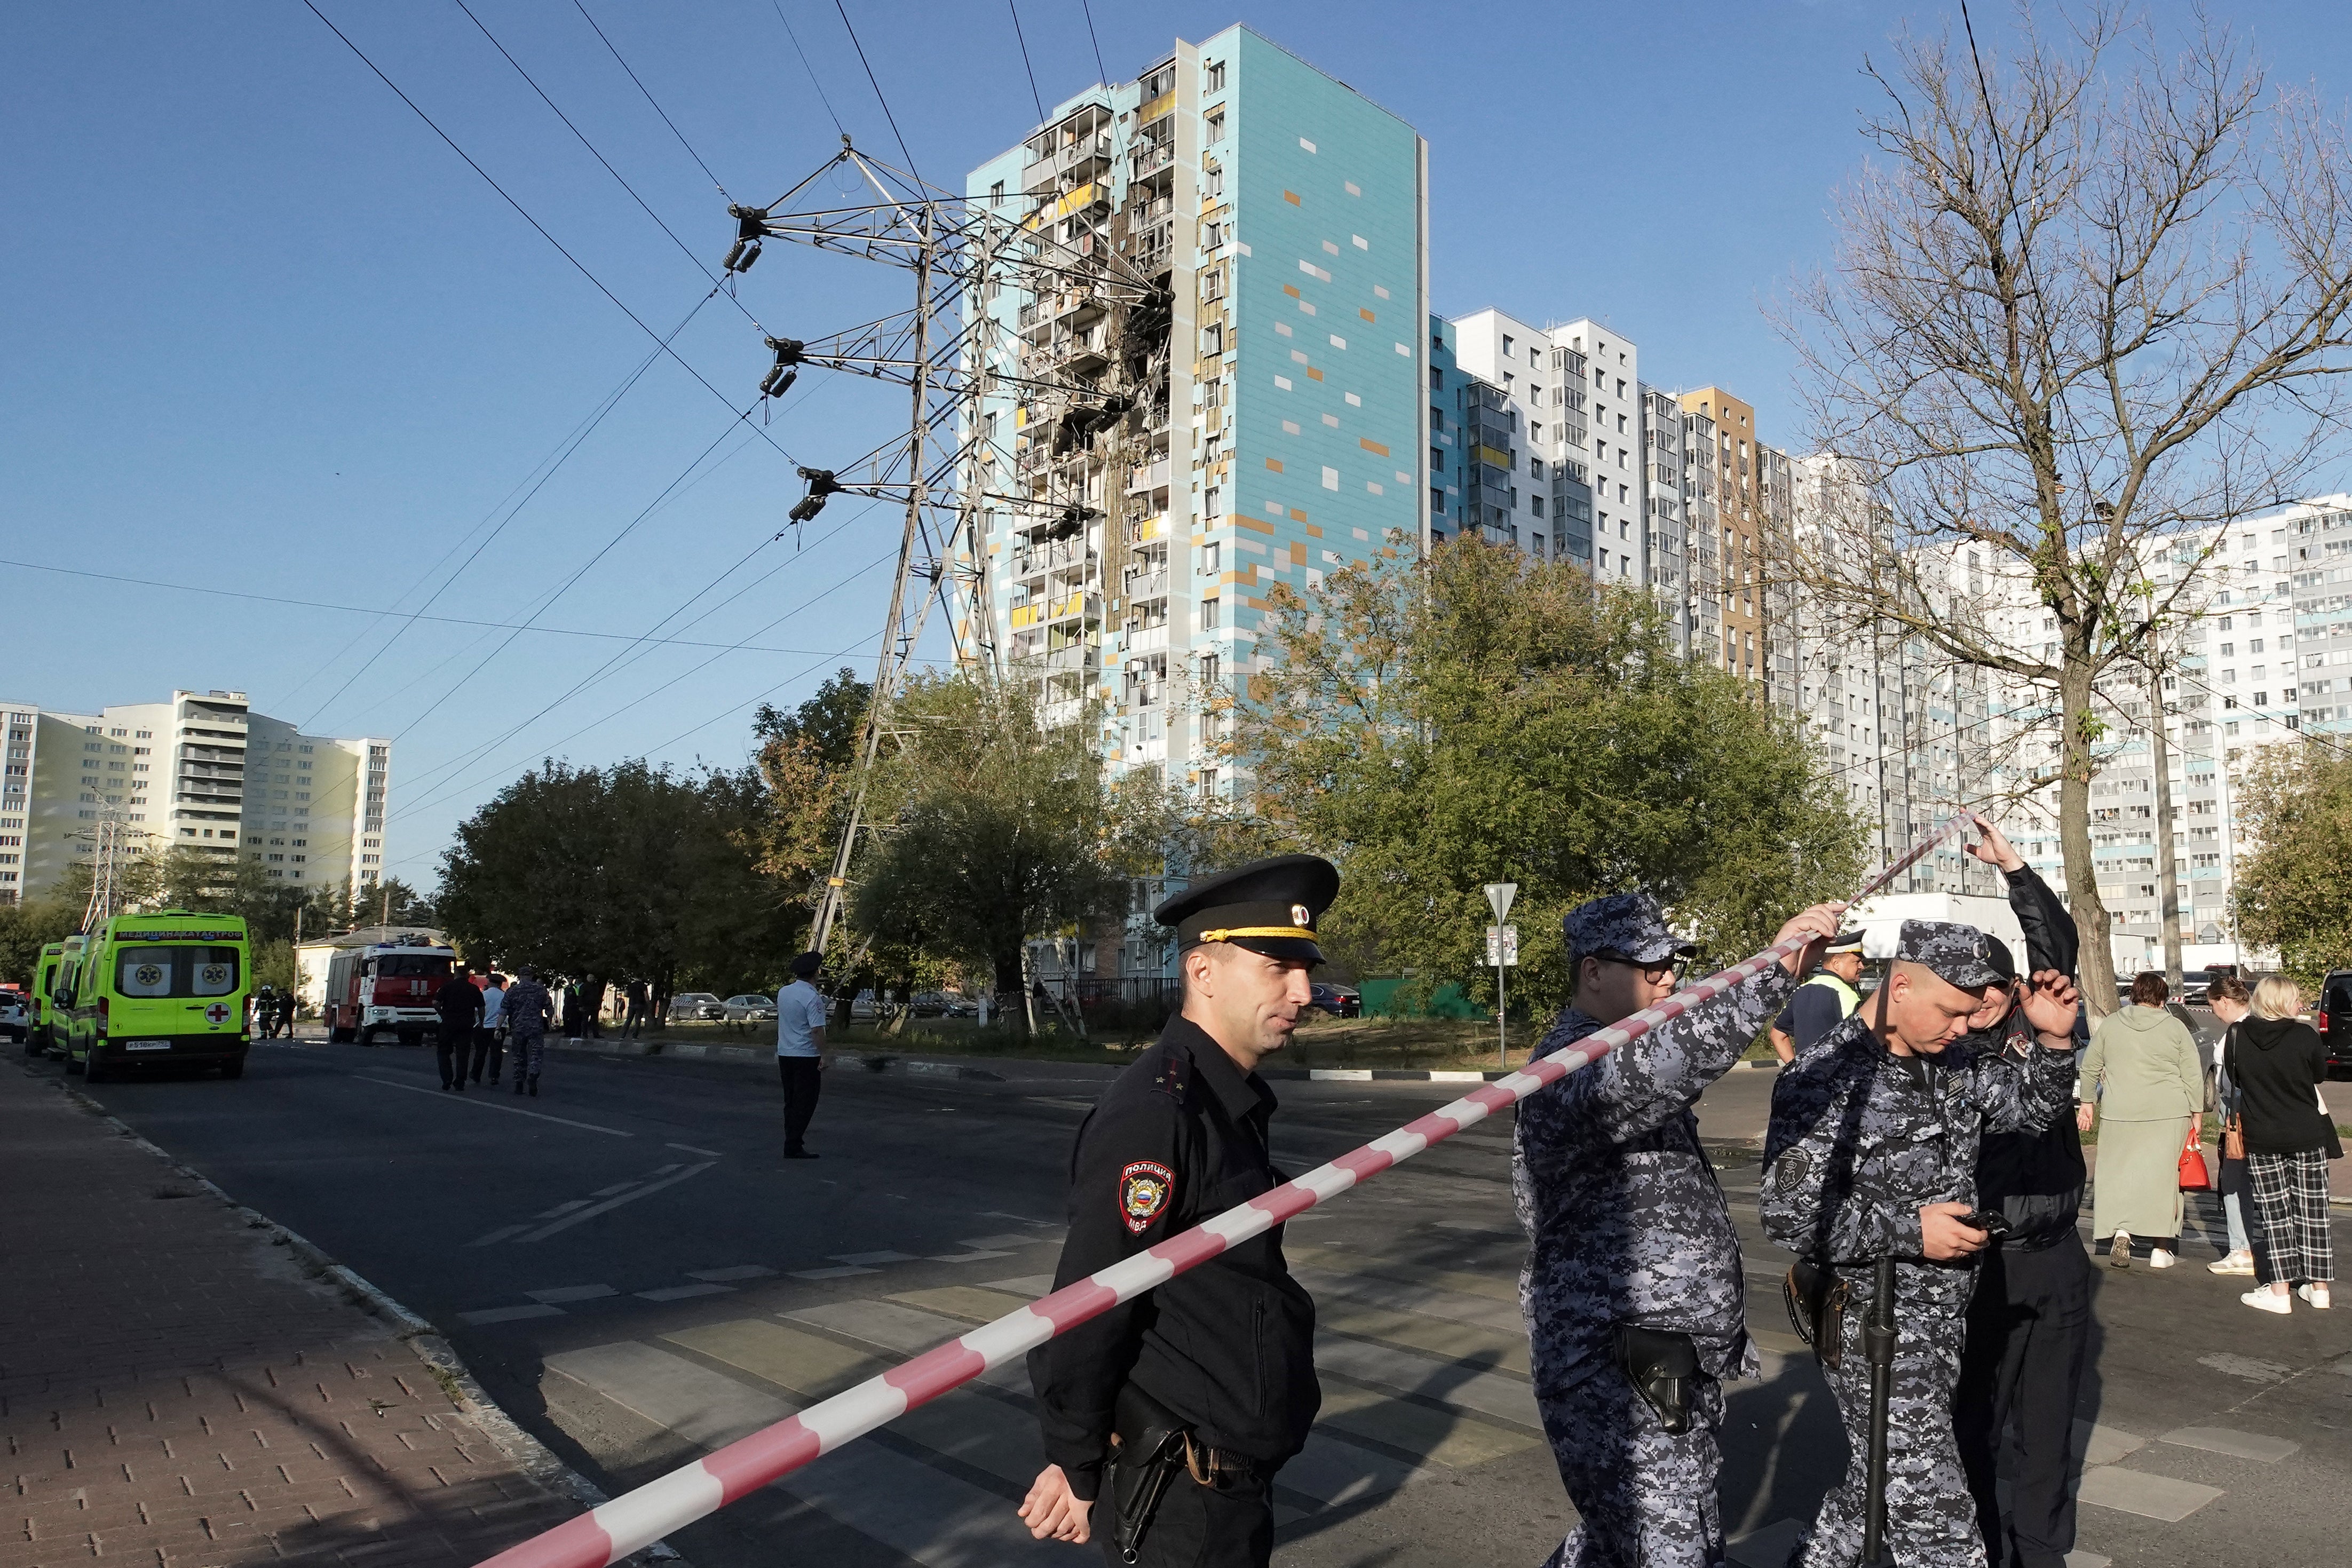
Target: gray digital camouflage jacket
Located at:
point(1625, 1221)
point(1861, 1139)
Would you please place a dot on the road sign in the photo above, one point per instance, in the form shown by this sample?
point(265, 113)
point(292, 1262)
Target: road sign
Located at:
point(1500, 895)
point(1502, 946)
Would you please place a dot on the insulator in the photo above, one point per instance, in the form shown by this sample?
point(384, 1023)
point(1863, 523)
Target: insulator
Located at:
point(779, 382)
point(810, 505)
point(741, 255)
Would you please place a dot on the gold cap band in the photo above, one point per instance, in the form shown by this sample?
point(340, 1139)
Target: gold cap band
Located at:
point(1299, 933)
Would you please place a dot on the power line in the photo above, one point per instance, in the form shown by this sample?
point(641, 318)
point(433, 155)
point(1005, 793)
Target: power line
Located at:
point(292, 602)
point(1100, 69)
point(808, 67)
point(877, 92)
point(709, 277)
point(1034, 96)
point(576, 441)
point(525, 214)
point(650, 99)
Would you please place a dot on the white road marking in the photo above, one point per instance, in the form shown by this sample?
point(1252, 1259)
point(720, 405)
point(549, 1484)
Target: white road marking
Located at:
point(562, 1293)
point(493, 1105)
point(684, 1292)
point(741, 1271)
point(509, 1314)
point(691, 1149)
point(968, 1257)
point(592, 1210)
point(842, 1273)
point(864, 1258)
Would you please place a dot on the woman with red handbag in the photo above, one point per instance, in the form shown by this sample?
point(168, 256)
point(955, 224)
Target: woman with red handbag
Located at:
point(2149, 1088)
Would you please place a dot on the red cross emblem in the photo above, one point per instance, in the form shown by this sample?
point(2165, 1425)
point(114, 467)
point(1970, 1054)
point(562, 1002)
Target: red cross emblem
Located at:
point(218, 1013)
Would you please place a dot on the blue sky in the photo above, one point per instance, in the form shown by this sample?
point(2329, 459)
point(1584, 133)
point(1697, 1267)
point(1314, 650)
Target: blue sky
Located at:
point(269, 334)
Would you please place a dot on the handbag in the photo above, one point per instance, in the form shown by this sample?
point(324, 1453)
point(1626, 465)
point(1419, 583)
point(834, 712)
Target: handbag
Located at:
point(2234, 1137)
point(2193, 1175)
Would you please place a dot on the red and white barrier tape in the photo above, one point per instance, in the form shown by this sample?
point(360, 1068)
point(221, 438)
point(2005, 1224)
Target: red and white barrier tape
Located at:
point(638, 1518)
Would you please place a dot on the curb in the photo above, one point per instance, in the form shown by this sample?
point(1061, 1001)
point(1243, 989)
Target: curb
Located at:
point(526, 1452)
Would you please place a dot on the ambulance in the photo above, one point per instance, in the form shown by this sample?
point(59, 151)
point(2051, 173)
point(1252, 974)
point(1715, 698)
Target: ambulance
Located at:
point(169, 986)
point(57, 961)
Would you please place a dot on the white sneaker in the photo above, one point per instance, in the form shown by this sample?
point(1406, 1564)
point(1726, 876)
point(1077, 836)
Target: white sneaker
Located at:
point(2236, 1263)
point(2314, 1294)
point(2267, 1299)
point(2159, 1258)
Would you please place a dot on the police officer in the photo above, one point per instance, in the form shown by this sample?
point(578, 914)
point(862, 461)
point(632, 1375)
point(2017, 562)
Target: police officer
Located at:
point(1827, 997)
point(1208, 1382)
point(1633, 1290)
point(1872, 1153)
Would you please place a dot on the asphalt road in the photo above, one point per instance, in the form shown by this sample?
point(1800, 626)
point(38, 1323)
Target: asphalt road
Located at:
point(636, 1274)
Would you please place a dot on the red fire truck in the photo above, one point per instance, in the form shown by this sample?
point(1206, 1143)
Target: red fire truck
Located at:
point(385, 989)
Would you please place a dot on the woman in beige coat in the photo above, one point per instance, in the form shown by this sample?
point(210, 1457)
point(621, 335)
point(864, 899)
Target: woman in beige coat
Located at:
point(2142, 1071)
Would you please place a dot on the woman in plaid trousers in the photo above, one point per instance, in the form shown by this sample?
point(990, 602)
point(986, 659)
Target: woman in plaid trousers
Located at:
point(2277, 1063)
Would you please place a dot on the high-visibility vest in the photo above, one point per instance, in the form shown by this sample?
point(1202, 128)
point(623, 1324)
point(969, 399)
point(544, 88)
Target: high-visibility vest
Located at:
point(1848, 997)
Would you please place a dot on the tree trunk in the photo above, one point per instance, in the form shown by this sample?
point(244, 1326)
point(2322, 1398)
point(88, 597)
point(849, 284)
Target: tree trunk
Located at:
point(2096, 964)
point(1008, 970)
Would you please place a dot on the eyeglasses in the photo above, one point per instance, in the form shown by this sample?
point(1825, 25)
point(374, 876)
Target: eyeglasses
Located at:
point(1657, 972)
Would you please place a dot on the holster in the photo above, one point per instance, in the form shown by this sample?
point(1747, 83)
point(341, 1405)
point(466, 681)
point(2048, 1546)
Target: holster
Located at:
point(1149, 1445)
point(1660, 1365)
point(1816, 1299)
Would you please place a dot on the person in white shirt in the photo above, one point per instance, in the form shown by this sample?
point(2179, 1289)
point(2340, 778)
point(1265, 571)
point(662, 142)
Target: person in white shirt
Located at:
point(488, 1052)
point(800, 1050)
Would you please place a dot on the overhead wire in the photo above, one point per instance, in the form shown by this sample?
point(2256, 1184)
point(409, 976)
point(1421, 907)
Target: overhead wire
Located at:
point(808, 67)
point(657, 109)
point(709, 277)
point(1033, 94)
point(878, 98)
point(575, 440)
point(524, 212)
point(1103, 69)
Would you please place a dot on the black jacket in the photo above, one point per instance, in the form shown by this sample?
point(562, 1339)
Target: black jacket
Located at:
point(2274, 1063)
point(459, 1003)
point(2035, 1179)
point(1179, 1137)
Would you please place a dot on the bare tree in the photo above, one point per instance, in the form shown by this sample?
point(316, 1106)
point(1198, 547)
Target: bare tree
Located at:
point(2087, 298)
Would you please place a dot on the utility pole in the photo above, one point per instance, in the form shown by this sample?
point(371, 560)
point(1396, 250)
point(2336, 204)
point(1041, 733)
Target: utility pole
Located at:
point(2168, 864)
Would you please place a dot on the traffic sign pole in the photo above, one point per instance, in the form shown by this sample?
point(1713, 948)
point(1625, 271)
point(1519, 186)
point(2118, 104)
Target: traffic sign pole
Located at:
point(1499, 895)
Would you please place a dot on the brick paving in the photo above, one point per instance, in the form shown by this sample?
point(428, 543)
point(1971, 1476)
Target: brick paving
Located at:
point(177, 1389)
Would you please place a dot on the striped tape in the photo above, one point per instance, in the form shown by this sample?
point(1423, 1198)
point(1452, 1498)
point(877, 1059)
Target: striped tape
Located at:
point(640, 1518)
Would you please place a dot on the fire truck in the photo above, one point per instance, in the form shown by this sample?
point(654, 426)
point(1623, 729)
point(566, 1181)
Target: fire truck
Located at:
point(385, 989)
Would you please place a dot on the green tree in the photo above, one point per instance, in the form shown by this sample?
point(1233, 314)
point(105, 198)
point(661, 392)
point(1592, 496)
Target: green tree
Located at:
point(1433, 725)
point(2291, 892)
point(629, 872)
point(25, 928)
point(990, 829)
point(828, 724)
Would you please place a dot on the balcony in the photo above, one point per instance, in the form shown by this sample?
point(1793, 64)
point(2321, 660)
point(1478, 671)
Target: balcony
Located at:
point(1151, 477)
point(1147, 639)
point(1148, 585)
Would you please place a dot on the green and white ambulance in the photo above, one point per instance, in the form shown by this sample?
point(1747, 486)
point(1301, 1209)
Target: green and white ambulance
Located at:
point(165, 987)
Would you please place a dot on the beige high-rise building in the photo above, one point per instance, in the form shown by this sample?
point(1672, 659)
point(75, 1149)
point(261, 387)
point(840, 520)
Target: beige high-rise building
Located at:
point(201, 771)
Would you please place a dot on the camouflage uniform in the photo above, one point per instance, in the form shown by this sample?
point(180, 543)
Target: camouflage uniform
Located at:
point(1626, 1225)
point(1860, 1141)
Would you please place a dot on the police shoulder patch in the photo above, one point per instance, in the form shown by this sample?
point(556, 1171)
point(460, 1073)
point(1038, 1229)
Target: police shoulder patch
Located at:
point(1790, 1172)
point(1144, 1188)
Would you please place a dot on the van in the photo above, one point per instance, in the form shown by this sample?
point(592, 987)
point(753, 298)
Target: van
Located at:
point(165, 987)
point(2333, 1016)
point(41, 1034)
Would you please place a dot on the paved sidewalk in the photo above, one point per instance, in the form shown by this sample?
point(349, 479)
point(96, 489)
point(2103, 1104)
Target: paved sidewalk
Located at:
point(178, 1385)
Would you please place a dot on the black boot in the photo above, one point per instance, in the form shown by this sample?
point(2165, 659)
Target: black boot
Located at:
point(534, 1085)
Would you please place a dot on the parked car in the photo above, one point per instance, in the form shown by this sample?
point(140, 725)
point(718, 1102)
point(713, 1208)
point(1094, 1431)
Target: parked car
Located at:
point(12, 1013)
point(2334, 1017)
point(696, 1007)
point(861, 1007)
point(1339, 1001)
point(942, 1005)
point(750, 1009)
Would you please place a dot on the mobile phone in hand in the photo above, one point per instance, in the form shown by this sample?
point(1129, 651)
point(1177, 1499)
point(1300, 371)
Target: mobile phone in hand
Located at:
point(1992, 1222)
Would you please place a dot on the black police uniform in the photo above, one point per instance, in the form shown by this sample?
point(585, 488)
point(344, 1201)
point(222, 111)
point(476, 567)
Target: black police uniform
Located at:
point(1228, 1350)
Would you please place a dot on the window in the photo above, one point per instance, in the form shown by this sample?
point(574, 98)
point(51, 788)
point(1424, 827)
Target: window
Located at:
point(160, 971)
point(996, 192)
point(1216, 128)
point(1216, 79)
point(1208, 614)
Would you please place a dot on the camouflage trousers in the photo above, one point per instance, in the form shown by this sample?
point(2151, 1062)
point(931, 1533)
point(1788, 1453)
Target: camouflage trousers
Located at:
point(1644, 1497)
point(1931, 1522)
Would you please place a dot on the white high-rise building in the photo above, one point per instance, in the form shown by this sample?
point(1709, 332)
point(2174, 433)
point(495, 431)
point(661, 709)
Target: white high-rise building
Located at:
point(201, 771)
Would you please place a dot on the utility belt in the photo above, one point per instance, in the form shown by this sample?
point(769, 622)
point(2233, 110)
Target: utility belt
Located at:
point(1151, 1446)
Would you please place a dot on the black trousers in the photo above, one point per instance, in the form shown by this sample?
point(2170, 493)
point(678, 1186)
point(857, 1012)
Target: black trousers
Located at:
point(453, 1051)
point(1230, 1525)
point(802, 1080)
point(488, 1052)
point(2029, 1336)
